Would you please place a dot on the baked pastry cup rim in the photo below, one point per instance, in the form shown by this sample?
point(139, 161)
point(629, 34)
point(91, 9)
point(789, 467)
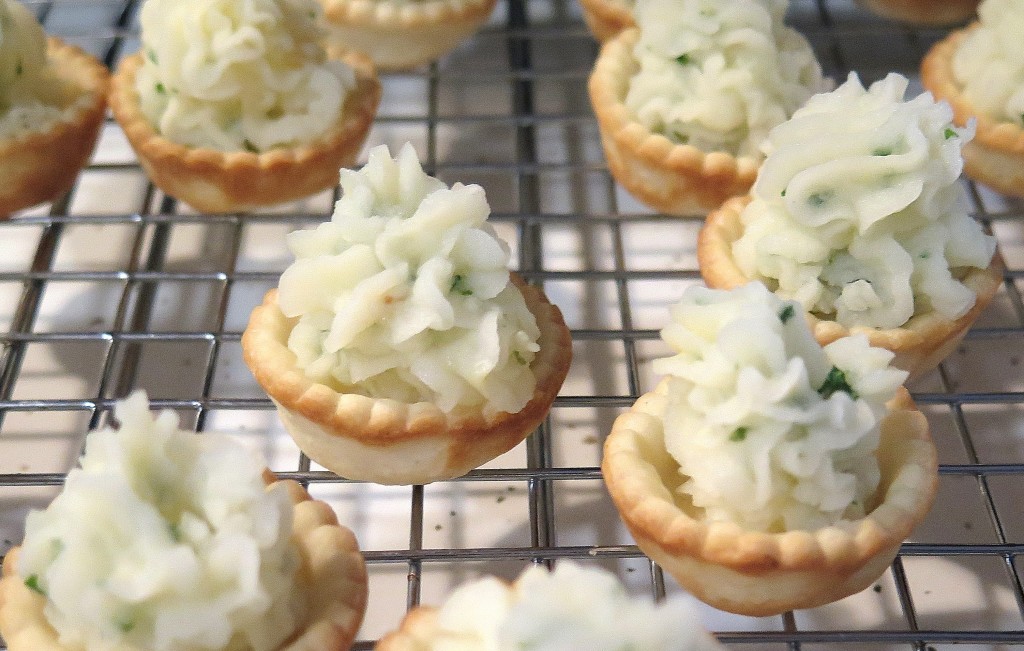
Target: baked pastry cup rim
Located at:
point(380, 422)
point(331, 566)
point(170, 164)
point(711, 177)
point(915, 343)
point(937, 77)
point(80, 127)
point(405, 15)
point(635, 463)
point(606, 18)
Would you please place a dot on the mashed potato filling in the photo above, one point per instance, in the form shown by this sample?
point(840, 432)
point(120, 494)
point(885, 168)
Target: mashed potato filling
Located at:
point(989, 64)
point(572, 607)
point(405, 294)
point(770, 430)
point(238, 76)
point(718, 75)
point(30, 93)
point(857, 212)
point(166, 540)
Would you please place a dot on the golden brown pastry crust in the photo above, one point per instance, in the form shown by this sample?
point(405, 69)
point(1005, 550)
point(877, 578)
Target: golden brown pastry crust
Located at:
point(415, 633)
point(919, 345)
point(606, 18)
point(756, 573)
point(996, 155)
point(923, 12)
point(39, 166)
point(674, 178)
point(217, 182)
point(391, 442)
point(331, 581)
point(404, 35)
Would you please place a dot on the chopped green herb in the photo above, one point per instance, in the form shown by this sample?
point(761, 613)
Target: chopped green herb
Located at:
point(32, 583)
point(924, 255)
point(783, 191)
point(151, 55)
point(836, 381)
point(20, 68)
point(787, 313)
point(160, 88)
point(882, 151)
point(459, 286)
point(175, 531)
point(819, 199)
point(739, 434)
point(681, 138)
point(949, 133)
point(518, 356)
point(683, 59)
point(250, 147)
point(124, 624)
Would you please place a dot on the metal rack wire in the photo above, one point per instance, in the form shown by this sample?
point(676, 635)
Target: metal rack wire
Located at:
point(116, 287)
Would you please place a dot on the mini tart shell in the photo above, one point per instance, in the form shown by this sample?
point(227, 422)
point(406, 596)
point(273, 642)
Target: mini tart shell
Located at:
point(399, 35)
point(39, 166)
point(391, 442)
point(934, 13)
point(214, 181)
point(606, 18)
point(919, 345)
point(673, 178)
point(331, 581)
point(415, 633)
point(756, 573)
point(995, 156)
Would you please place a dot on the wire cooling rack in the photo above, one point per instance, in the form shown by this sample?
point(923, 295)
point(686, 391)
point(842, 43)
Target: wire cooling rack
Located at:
point(116, 287)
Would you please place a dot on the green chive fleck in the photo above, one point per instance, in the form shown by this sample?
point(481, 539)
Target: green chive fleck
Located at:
point(819, 199)
point(949, 133)
point(518, 356)
point(459, 286)
point(32, 583)
point(160, 88)
point(787, 313)
point(681, 138)
point(125, 624)
point(924, 255)
point(783, 192)
point(683, 59)
point(882, 151)
point(151, 55)
point(739, 434)
point(836, 381)
point(250, 147)
point(20, 68)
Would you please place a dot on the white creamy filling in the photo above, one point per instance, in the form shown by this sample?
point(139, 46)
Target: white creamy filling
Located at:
point(989, 64)
point(165, 540)
point(719, 75)
point(572, 607)
point(772, 431)
point(238, 76)
point(31, 96)
point(857, 212)
point(405, 294)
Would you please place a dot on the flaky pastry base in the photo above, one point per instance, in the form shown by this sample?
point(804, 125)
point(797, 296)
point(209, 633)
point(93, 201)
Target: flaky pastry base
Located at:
point(416, 632)
point(402, 35)
point(673, 178)
point(756, 573)
point(996, 155)
point(214, 181)
point(923, 12)
point(606, 18)
point(391, 442)
point(919, 345)
point(331, 582)
point(41, 165)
